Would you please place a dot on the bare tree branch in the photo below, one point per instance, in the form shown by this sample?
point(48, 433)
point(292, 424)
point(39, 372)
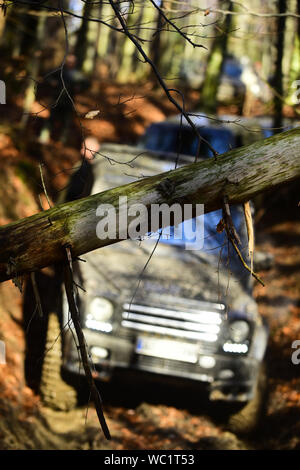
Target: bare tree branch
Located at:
point(69, 285)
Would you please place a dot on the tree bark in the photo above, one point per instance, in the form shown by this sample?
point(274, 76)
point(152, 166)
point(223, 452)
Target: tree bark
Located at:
point(155, 52)
point(34, 66)
point(82, 43)
point(278, 77)
point(209, 88)
point(40, 240)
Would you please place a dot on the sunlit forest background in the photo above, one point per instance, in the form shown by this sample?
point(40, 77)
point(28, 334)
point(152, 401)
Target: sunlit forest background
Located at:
point(264, 47)
point(223, 57)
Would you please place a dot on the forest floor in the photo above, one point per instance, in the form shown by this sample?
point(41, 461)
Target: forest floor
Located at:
point(140, 417)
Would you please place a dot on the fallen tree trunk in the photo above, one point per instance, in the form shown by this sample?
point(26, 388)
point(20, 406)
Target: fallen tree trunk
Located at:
point(40, 240)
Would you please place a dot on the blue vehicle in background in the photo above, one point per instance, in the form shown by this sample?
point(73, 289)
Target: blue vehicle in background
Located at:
point(192, 317)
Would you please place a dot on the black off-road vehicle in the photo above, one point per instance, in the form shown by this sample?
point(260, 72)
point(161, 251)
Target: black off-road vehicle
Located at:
point(193, 316)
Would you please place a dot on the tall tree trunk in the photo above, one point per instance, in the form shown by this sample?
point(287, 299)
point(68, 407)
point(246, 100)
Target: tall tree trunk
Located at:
point(155, 48)
point(82, 40)
point(33, 72)
point(298, 22)
point(148, 19)
point(128, 49)
point(19, 34)
point(135, 56)
point(209, 89)
point(278, 76)
point(98, 35)
point(103, 41)
point(2, 24)
point(294, 70)
point(115, 41)
point(40, 240)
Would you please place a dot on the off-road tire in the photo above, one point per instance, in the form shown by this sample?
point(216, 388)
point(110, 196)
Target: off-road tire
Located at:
point(246, 420)
point(55, 392)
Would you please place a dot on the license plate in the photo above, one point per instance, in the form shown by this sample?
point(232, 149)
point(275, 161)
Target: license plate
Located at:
point(166, 349)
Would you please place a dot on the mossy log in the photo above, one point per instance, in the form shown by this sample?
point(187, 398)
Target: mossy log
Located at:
point(240, 174)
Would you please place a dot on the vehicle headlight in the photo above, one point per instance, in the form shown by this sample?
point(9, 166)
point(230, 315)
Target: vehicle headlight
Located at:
point(239, 331)
point(100, 309)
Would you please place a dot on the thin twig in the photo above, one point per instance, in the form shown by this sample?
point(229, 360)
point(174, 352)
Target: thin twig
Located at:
point(44, 187)
point(250, 231)
point(36, 294)
point(243, 261)
point(233, 242)
point(228, 221)
point(69, 286)
point(144, 269)
point(178, 30)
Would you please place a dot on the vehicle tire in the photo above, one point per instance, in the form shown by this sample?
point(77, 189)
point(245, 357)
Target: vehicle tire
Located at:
point(55, 392)
point(246, 420)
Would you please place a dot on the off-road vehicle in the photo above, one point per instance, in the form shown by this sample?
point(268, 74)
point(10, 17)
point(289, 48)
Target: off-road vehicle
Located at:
point(190, 315)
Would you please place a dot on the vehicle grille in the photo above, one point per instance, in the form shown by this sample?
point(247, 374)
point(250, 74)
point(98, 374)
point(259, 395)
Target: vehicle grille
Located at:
point(168, 366)
point(184, 323)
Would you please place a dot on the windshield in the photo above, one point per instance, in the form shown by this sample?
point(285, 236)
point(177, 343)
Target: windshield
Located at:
point(212, 240)
point(167, 137)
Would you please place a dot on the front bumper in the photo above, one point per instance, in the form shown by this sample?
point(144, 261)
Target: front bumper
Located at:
point(230, 378)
